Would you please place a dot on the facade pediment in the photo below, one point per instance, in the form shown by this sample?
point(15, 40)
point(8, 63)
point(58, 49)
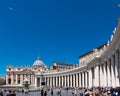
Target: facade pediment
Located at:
point(27, 71)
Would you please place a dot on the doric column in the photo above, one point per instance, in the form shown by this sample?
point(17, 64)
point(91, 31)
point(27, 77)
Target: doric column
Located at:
point(56, 81)
point(71, 81)
point(68, 79)
point(53, 81)
point(50, 81)
point(112, 71)
point(90, 77)
point(101, 75)
point(65, 81)
point(80, 80)
point(76, 79)
point(105, 75)
point(96, 81)
point(62, 80)
point(86, 79)
point(116, 70)
point(108, 72)
point(83, 78)
point(59, 81)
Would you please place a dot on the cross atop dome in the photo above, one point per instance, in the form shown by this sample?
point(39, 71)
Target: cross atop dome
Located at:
point(38, 58)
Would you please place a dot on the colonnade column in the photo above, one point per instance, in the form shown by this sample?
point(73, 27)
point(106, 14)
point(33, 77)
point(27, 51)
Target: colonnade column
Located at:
point(62, 80)
point(65, 81)
point(47, 81)
point(86, 79)
point(116, 69)
point(83, 83)
point(70, 80)
point(53, 84)
point(112, 71)
point(76, 79)
point(90, 77)
point(59, 81)
point(50, 81)
point(101, 75)
point(105, 75)
point(56, 81)
point(108, 73)
point(79, 79)
point(96, 80)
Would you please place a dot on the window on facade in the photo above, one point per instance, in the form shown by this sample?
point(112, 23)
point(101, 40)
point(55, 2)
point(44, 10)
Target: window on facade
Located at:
point(9, 69)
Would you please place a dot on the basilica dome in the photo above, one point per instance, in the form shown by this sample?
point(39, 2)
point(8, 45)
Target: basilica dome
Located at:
point(38, 62)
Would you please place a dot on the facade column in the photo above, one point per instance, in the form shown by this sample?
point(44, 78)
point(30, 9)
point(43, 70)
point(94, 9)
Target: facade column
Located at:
point(35, 81)
point(16, 79)
point(21, 79)
point(12, 78)
point(6, 79)
point(90, 78)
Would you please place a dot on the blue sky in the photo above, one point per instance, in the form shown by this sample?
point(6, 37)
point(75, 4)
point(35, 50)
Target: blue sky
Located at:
point(55, 30)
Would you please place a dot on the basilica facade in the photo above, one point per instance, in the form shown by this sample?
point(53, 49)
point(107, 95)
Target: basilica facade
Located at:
point(99, 67)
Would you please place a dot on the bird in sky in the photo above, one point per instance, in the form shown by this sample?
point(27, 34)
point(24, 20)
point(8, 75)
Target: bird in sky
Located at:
point(10, 8)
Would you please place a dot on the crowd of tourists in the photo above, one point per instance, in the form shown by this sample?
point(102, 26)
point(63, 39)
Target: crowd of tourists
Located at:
point(6, 92)
point(99, 91)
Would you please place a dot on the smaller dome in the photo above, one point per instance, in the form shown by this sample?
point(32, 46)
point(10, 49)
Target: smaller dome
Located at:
point(38, 62)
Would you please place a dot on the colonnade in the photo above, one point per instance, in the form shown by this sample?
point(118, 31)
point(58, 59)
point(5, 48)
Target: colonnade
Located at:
point(100, 73)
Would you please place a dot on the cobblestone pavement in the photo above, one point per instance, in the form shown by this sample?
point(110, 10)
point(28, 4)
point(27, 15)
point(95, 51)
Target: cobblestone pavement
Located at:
point(63, 93)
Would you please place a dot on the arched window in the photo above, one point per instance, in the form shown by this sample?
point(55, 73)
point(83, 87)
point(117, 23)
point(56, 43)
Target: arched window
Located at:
point(9, 81)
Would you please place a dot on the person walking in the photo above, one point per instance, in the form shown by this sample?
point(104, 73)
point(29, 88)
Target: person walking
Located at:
point(51, 91)
point(45, 93)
